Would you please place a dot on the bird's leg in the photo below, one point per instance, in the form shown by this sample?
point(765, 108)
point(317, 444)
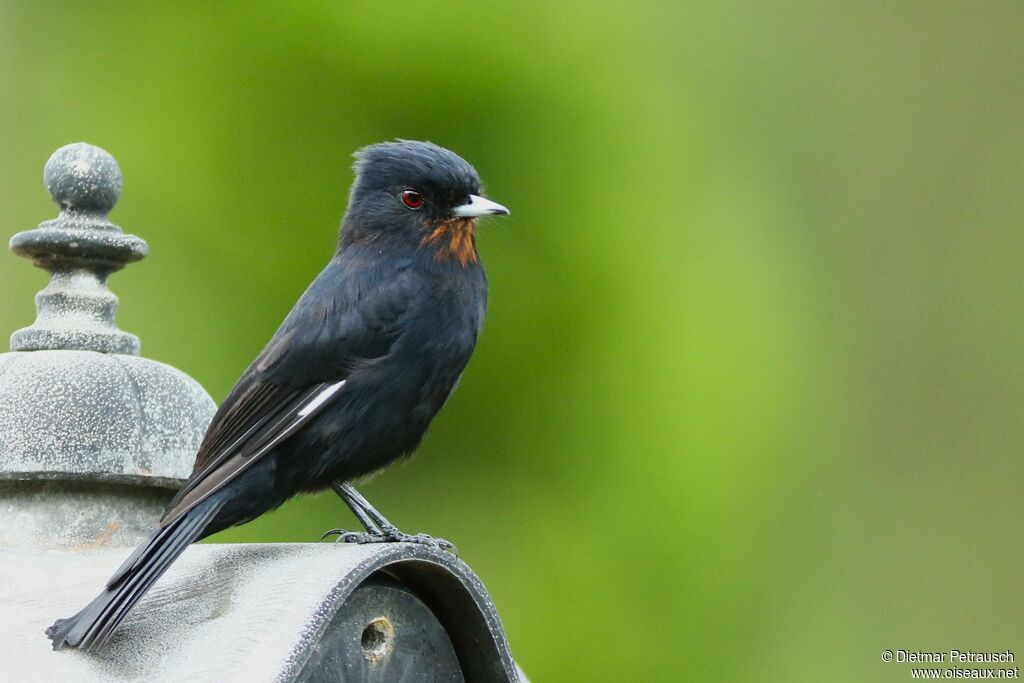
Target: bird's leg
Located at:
point(378, 528)
point(345, 492)
point(363, 511)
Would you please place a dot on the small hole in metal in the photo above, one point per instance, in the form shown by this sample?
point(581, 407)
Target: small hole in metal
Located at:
point(376, 639)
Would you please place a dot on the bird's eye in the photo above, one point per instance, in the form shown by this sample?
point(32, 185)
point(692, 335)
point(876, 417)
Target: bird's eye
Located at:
point(412, 199)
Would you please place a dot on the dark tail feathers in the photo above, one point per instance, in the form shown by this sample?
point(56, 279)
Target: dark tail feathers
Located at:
point(91, 628)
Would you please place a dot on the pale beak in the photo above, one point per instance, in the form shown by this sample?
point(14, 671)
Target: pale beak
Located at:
point(478, 206)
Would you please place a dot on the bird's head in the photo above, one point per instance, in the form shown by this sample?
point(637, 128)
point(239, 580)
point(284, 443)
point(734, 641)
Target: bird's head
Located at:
point(409, 191)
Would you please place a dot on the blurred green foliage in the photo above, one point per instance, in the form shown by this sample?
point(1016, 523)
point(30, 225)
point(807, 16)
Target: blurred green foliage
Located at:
point(748, 401)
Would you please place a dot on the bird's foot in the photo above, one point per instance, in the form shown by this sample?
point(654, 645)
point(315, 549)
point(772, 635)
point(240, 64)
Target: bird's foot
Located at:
point(391, 536)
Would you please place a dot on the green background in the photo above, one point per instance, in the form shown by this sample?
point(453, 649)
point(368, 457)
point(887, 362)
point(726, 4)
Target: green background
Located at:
point(747, 405)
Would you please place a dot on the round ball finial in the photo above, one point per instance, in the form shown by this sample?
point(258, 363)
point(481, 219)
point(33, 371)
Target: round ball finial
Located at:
point(80, 248)
point(83, 177)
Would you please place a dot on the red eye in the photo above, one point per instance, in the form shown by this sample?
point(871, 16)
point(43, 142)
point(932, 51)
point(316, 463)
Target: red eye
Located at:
point(412, 199)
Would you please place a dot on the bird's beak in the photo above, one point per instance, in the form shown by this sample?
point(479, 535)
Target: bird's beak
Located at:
point(478, 206)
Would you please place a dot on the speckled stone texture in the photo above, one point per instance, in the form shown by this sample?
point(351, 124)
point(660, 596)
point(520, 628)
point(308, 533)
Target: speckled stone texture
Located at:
point(80, 248)
point(78, 406)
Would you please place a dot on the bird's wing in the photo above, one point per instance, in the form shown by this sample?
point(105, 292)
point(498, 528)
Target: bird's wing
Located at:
point(333, 327)
point(267, 415)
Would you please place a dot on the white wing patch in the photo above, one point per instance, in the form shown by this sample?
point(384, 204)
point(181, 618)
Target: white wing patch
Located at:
point(232, 462)
point(321, 398)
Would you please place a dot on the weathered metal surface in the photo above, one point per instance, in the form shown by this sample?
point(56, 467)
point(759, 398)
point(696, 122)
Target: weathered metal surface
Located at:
point(236, 612)
point(42, 516)
point(114, 417)
point(78, 406)
point(383, 632)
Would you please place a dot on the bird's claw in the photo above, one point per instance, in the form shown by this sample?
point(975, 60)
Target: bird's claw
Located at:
point(426, 539)
point(342, 535)
point(391, 536)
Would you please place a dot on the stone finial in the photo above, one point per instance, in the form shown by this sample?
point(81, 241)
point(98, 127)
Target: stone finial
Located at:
point(94, 438)
point(80, 249)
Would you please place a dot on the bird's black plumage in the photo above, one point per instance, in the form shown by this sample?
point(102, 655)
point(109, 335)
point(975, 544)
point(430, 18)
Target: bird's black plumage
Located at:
point(351, 379)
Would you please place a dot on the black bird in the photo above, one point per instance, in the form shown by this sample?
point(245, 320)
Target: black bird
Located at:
point(348, 383)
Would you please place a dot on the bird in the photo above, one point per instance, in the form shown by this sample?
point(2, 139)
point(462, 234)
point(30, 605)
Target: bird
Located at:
point(348, 383)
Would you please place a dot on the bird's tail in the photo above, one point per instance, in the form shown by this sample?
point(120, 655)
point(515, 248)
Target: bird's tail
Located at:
point(92, 627)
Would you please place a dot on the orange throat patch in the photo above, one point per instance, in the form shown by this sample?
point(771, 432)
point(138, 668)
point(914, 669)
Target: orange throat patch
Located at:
point(456, 240)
